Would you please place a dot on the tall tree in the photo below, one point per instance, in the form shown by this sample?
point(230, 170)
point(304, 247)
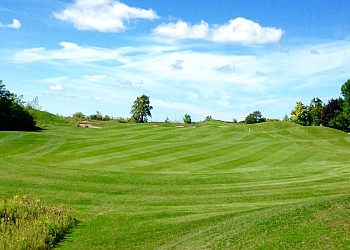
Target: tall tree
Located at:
point(315, 111)
point(13, 115)
point(141, 109)
point(187, 119)
point(300, 114)
point(345, 91)
point(254, 117)
point(332, 114)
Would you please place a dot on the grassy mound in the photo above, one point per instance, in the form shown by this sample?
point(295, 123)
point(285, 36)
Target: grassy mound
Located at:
point(212, 185)
point(46, 119)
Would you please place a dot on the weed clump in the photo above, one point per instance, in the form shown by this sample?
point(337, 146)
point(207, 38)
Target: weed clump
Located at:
point(31, 224)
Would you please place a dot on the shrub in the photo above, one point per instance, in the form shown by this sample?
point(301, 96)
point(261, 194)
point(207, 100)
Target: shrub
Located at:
point(30, 224)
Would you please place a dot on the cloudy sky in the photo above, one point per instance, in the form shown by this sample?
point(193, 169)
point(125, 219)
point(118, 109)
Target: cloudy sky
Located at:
point(223, 58)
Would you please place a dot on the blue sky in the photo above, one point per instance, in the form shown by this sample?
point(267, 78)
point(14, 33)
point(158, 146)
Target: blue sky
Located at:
point(221, 58)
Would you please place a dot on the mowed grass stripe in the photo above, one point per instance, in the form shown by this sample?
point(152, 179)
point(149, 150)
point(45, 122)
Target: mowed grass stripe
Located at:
point(139, 198)
point(109, 152)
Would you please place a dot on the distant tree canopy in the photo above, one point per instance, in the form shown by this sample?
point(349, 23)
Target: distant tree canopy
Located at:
point(141, 109)
point(13, 115)
point(334, 114)
point(254, 117)
point(187, 119)
point(208, 118)
point(300, 114)
point(79, 115)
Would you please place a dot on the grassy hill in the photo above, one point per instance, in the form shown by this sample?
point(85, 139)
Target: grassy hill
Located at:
point(45, 119)
point(212, 185)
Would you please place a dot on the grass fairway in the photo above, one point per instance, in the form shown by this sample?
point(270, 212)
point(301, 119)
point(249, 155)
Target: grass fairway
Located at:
point(212, 186)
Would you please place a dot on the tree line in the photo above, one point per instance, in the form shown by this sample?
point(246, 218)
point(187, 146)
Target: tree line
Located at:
point(335, 114)
point(14, 113)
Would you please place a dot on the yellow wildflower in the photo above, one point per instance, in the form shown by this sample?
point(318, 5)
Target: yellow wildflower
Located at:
point(16, 197)
point(24, 197)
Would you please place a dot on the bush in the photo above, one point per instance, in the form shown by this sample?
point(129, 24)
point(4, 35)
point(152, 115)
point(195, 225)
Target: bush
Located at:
point(122, 119)
point(30, 224)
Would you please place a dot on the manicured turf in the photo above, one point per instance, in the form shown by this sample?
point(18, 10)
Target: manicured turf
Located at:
point(212, 185)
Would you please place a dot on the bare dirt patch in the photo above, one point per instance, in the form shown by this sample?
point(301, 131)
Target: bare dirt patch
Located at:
point(87, 125)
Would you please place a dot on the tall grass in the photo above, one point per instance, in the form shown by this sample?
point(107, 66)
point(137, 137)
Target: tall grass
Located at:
point(30, 224)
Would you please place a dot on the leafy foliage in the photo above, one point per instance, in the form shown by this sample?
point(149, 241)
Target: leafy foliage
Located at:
point(300, 114)
point(97, 116)
point(79, 115)
point(254, 117)
point(335, 114)
point(285, 118)
point(13, 115)
point(187, 119)
point(329, 113)
point(141, 109)
point(315, 111)
point(208, 118)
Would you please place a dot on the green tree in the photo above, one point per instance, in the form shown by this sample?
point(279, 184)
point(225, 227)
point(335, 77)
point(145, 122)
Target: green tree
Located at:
point(345, 92)
point(187, 119)
point(13, 115)
point(285, 118)
point(141, 109)
point(315, 111)
point(79, 115)
point(97, 116)
point(329, 112)
point(208, 118)
point(254, 117)
point(107, 118)
point(300, 114)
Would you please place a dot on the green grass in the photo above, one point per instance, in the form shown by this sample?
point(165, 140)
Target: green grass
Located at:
point(212, 186)
point(45, 119)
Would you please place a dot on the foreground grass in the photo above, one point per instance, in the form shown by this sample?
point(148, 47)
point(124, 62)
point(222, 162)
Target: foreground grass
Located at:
point(212, 186)
point(28, 224)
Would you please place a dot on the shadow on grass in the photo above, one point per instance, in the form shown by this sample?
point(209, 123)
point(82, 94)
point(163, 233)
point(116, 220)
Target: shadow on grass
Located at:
point(21, 129)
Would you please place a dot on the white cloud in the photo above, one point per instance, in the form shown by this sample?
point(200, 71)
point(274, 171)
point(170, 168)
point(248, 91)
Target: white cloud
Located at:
point(95, 78)
point(102, 15)
point(97, 98)
point(15, 24)
point(192, 96)
point(237, 31)
point(55, 80)
point(210, 82)
point(69, 51)
point(243, 31)
point(56, 87)
point(182, 30)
